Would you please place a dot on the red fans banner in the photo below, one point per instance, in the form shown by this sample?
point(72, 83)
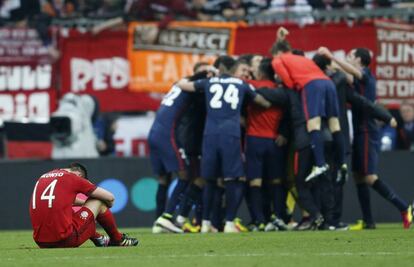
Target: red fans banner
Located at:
point(395, 62)
point(26, 76)
point(97, 65)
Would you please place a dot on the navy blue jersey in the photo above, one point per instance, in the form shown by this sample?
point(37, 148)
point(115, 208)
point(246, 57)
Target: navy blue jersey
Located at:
point(366, 87)
point(224, 98)
point(172, 106)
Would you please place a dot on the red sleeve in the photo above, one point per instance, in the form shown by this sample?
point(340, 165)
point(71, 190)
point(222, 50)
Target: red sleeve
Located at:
point(282, 72)
point(82, 185)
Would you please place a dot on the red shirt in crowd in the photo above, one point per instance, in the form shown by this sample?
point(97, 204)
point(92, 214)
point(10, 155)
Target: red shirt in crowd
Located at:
point(296, 71)
point(51, 204)
point(263, 122)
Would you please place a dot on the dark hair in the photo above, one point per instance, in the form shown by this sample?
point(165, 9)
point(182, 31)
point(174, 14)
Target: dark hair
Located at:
point(364, 55)
point(280, 46)
point(266, 69)
point(298, 52)
point(246, 57)
point(322, 61)
point(226, 61)
point(198, 65)
point(76, 166)
point(237, 63)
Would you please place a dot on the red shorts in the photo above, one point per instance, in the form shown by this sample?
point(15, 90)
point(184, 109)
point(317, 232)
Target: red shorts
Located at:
point(84, 228)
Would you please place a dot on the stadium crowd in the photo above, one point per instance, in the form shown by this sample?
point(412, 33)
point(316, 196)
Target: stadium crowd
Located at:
point(297, 117)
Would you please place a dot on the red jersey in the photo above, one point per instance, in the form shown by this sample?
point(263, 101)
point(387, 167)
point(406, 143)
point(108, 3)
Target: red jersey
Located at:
point(296, 71)
point(51, 204)
point(263, 122)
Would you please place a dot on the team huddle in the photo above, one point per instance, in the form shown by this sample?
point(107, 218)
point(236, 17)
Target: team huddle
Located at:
point(237, 130)
point(252, 129)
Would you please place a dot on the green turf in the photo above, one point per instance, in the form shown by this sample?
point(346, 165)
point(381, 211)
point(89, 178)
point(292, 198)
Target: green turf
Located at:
point(387, 246)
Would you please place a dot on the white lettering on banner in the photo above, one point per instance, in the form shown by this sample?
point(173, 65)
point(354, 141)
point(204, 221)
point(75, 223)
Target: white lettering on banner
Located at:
point(24, 106)
point(103, 74)
point(15, 78)
point(395, 58)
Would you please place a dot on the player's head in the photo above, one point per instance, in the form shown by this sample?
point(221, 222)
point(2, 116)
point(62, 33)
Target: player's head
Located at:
point(359, 57)
point(241, 70)
point(254, 65)
point(280, 47)
point(224, 64)
point(265, 70)
point(322, 61)
point(200, 67)
point(407, 112)
point(78, 169)
point(246, 57)
point(298, 52)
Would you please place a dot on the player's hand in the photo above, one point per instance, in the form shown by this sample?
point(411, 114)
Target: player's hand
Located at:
point(325, 52)
point(393, 123)
point(282, 32)
point(281, 140)
point(212, 71)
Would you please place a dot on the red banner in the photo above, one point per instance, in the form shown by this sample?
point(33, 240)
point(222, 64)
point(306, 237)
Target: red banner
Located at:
point(98, 65)
point(26, 76)
point(395, 62)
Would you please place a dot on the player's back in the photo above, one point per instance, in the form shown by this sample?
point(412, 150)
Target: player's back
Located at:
point(172, 105)
point(263, 122)
point(363, 122)
point(301, 69)
point(224, 97)
point(51, 204)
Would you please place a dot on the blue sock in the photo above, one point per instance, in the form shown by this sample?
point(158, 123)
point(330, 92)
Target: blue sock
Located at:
point(191, 197)
point(161, 198)
point(386, 192)
point(339, 143)
point(279, 195)
point(257, 203)
point(175, 196)
point(248, 199)
point(234, 196)
point(267, 203)
point(208, 196)
point(318, 148)
point(217, 209)
point(365, 202)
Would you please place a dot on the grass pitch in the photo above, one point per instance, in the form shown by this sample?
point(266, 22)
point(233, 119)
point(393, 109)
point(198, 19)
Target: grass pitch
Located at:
point(389, 245)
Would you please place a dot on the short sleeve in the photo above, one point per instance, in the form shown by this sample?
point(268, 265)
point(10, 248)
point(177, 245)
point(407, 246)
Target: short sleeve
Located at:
point(250, 91)
point(82, 185)
point(200, 85)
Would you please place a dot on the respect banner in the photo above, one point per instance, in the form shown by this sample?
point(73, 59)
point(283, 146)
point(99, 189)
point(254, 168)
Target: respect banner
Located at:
point(160, 57)
point(395, 62)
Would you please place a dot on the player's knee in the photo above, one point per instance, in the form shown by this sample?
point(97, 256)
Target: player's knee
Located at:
point(163, 180)
point(314, 124)
point(182, 175)
point(257, 182)
point(370, 179)
point(334, 125)
point(199, 182)
point(276, 181)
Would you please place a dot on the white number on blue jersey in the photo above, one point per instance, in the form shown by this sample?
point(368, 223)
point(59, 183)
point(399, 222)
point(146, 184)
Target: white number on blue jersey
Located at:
point(169, 98)
point(231, 96)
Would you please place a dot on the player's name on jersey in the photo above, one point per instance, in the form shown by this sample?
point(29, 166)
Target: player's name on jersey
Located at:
point(226, 80)
point(52, 175)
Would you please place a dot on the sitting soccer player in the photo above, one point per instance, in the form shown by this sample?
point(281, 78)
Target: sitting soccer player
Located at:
point(55, 225)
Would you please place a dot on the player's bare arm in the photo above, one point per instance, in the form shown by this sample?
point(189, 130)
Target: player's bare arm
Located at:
point(79, 202)
point(261, 101)
point(345, 66)
point(281, 34)
point(186, 85)
point(103, 195)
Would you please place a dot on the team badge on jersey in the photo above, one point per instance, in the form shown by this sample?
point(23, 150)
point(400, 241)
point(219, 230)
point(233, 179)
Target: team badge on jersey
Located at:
point(84, 215)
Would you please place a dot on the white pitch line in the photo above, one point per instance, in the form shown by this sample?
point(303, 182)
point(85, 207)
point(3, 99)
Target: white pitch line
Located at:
point(275, 254)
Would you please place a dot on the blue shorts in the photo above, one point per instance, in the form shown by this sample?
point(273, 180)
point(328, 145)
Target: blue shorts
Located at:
point(319, 99)
point(365, 152)
point(221, 157)
point(164, 154)
point(264, 158)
